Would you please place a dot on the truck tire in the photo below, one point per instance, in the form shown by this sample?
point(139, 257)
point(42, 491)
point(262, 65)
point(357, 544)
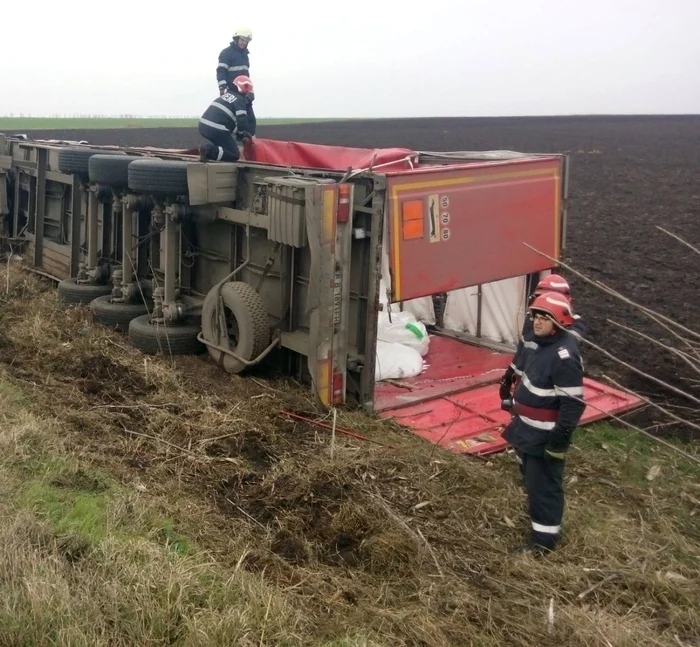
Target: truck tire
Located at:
point(110, 170)
point(167, 340)
point(80, 293)
point(158, 176)
point(75, 161)
point(116, 316)
point(248, 331)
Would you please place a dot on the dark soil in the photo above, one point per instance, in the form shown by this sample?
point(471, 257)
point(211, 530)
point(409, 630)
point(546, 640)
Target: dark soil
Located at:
point(628, 176)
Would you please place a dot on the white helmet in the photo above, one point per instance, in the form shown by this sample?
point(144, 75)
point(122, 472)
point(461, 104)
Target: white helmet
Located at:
point(243, 32)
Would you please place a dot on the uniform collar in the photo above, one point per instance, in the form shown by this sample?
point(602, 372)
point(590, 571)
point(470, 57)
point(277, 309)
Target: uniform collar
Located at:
point(233, 44)
point(552, 339)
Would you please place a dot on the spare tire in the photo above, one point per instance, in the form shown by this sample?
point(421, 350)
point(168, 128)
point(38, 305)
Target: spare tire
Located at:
point(75, 161)
point(248, 331)
point(158, 176)
point(110, 170)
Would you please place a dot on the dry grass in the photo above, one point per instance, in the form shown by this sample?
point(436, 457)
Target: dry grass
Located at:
point(161, 501)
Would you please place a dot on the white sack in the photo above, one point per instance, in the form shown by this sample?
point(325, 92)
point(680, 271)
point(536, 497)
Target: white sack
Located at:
point(395, 361)
point(404, 329)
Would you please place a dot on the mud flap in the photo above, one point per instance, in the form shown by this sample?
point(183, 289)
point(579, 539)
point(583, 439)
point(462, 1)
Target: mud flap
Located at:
point(328, 305)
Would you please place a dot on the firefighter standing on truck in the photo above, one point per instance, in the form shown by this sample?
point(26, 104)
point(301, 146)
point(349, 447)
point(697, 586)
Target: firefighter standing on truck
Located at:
point(546, 408)
point(526, 344)
point(234, 60)
point(227, 119)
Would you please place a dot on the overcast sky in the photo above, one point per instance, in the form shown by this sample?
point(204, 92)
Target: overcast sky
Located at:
point(360, 58)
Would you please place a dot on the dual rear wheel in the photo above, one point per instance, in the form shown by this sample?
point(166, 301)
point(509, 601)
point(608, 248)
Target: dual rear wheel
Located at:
point(240, 325)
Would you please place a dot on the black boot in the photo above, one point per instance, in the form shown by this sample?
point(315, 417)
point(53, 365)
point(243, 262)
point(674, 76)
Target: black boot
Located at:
point(534, 549)
point(205, 152)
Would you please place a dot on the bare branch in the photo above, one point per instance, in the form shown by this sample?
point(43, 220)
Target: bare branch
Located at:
point(613, 576)
point(649, 402)
point(159, 440)
point(185, 452)
point(679, 239)
point(597, 585)
point(642, 373)
point(614, 293)
point(253, 519)
point(692, 346)
point(661, 441)
point(688, 360)
point(418, 537)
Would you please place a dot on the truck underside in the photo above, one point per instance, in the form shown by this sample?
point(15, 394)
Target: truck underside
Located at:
point(291, 254)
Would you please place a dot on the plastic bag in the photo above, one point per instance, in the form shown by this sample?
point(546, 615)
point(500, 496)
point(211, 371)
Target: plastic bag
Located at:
point(395, 361)
point(404, 329)
point(422, 308)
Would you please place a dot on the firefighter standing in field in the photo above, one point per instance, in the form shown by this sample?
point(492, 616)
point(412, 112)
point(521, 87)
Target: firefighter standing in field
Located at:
point(546, 408)
point(553, 283)
point(227, 119)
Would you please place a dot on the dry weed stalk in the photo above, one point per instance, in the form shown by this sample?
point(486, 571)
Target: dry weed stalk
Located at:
point(614, 293)
point(689, 353)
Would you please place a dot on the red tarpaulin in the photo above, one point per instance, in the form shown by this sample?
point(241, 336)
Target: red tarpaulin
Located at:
point(333, 158)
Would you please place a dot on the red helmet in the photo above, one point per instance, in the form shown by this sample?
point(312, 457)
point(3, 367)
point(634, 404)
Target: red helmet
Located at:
point(244, 84)
point(556, 305)
point(553, 283)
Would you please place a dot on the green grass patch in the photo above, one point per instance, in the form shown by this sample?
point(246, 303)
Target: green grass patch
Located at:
point(634, 454)
point(14, 395)
point(15, 124)
point(91, 506)
point(174, 540)
point(74, 501)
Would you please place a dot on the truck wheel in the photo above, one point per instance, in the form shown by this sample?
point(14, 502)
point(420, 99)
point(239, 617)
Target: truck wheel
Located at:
point(157, 339)
point(110, 170)
point(80, 293)
point(158, 176)
point(247, 329)
point(116, 315)
point(75, 161)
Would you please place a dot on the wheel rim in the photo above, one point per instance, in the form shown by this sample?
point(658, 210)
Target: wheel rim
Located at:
point(232, 330)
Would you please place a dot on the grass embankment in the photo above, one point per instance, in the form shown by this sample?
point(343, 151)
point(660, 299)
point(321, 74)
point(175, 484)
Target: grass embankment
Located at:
point(14, 124)
point(153, 502)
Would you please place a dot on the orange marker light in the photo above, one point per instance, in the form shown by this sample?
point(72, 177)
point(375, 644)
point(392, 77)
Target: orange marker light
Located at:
point(412, 219)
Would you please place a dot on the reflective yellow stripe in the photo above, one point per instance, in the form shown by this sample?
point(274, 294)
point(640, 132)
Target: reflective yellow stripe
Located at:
point(328, 217)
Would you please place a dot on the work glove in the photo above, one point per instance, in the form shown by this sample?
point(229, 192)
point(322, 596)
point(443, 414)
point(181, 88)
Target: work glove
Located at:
point(552, 455)
point(251, 97)
point(244, 136)
point(557, 444)
point(222, 90)
point(506, 384)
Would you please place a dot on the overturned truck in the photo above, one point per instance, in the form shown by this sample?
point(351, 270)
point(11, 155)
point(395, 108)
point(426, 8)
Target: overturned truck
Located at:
point(291, 256)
